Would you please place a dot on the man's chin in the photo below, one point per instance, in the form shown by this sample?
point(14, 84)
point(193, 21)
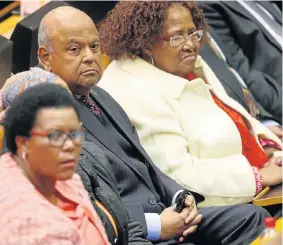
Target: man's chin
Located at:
point(90, 80)
point(84, 88)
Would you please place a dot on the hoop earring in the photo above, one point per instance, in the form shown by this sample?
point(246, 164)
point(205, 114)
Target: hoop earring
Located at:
point(151, 60)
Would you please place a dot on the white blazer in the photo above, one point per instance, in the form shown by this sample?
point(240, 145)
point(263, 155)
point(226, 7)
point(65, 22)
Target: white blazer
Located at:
point(185, 133)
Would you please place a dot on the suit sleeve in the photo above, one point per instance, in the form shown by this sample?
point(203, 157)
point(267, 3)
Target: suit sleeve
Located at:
point(136, 235)
point(169, 185)
point(265, 89)
point(172, 187)
point(264, 115)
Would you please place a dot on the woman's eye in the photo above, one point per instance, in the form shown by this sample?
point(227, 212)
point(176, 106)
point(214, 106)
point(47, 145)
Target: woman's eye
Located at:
point(178, 38)
point(55, 135)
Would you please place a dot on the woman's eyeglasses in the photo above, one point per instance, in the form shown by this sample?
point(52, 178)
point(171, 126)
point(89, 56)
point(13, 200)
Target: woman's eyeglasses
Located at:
point(177, 41)
point(58, 138)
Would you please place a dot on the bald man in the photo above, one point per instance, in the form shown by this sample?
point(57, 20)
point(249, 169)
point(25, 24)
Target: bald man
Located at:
point(69, 47)
point(73, 39)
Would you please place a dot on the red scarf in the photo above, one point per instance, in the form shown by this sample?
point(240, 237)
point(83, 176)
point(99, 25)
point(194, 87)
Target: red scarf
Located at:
point(250, 148)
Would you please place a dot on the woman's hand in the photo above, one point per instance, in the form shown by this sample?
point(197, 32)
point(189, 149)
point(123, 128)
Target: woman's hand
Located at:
point(277, 160)
point(269, 151)
point(271, 174)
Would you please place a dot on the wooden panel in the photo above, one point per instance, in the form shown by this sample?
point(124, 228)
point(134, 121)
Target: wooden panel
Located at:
point(269, 196)
point(9, 8)
point(9, 24)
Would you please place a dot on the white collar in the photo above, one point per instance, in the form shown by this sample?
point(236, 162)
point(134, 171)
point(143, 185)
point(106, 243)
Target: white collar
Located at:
point(161, 80)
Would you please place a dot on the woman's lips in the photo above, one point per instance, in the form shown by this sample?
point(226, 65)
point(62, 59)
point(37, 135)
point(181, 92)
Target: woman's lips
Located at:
point(189, 57)
point(89, 72)
point(70, 163)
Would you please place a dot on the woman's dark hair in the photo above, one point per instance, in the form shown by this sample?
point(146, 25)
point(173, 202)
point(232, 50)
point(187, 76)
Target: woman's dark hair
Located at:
point(21, 115)
point(136, 25)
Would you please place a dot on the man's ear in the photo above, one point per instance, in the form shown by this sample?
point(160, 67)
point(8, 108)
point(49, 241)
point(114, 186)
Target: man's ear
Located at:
point(44, 58)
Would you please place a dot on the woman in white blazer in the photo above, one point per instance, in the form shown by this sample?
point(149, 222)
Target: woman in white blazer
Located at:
point(188, 125)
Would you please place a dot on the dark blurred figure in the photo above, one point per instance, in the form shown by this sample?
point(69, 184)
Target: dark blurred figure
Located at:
point(3, 4)
point(251, 35)
point(97, 10)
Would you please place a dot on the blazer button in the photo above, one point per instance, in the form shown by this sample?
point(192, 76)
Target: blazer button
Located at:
point(151, 201)
point(146, 163)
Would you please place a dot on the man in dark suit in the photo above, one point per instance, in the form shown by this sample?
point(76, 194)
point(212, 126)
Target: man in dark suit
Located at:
point(69, 47)
point(234, 84)
point(252, 43)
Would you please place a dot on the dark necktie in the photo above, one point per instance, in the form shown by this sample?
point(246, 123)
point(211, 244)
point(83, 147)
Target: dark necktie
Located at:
point(90, 104)
point(92, 107)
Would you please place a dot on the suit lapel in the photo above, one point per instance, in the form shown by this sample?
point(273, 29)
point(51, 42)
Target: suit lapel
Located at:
point(235, 6)
point(219, 42)
point(94, 127)
point(92, 124)
point(217, 66)
point(117, 120)
point(271, 9)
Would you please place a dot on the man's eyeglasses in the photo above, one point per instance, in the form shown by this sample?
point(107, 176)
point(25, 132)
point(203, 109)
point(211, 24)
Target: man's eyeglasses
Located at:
point(58, 138)
point(176, 41)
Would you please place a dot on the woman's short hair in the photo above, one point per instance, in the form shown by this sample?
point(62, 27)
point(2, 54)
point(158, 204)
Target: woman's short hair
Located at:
point(136, 25)
point(21, 115)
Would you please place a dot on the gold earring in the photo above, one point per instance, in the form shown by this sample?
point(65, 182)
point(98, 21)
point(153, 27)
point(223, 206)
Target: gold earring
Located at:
point(152, 61)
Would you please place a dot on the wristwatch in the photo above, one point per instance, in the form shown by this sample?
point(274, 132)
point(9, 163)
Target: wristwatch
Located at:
point(180, 200)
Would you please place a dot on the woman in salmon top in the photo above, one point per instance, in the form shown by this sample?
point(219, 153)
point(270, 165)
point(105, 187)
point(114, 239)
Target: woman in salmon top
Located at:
point(42, 200)
point(189, 126)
